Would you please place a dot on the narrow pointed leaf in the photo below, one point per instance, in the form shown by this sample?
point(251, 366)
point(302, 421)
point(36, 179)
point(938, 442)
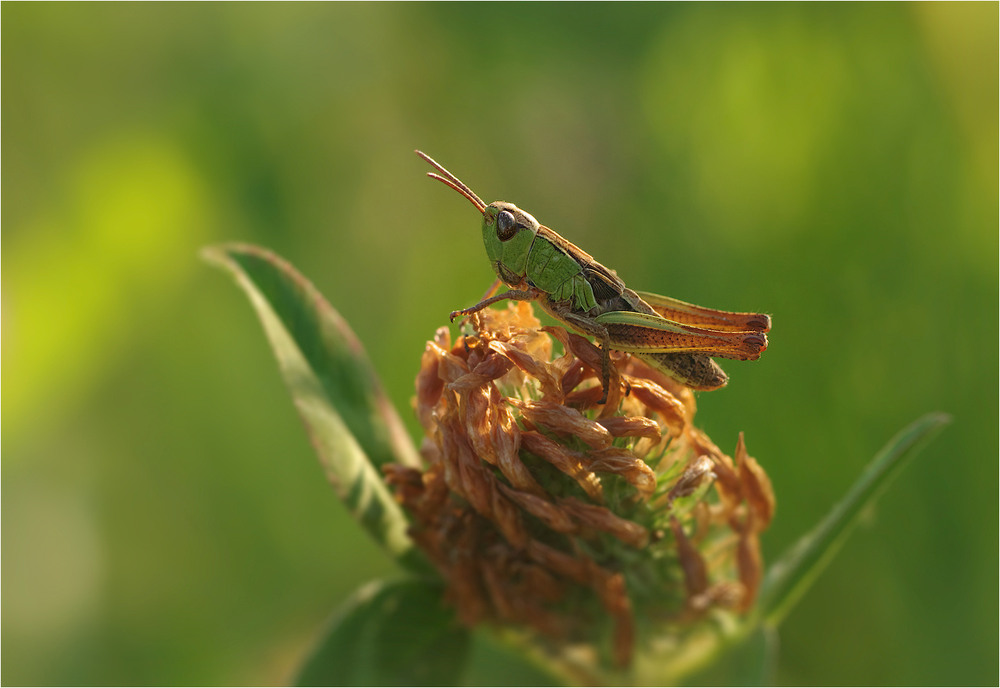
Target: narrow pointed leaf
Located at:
point(350, 422)
point(792, 575)
point(390, 634)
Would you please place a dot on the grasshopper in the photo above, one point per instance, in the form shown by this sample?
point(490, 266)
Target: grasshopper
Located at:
point(674, 337)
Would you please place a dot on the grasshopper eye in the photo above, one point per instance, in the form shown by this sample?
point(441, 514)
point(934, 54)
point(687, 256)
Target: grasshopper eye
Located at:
point(505, 226)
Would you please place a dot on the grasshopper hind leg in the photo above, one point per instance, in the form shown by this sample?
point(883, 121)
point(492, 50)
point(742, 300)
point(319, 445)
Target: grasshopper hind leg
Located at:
point(697, 371)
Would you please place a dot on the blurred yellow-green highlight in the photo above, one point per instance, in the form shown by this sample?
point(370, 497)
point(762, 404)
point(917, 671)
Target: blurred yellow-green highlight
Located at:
point(164, 519)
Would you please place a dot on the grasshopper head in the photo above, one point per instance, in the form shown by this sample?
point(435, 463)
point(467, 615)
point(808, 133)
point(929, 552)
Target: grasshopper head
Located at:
point(508, 233)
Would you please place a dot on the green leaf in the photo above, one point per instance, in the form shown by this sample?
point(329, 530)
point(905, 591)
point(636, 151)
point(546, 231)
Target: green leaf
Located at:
point(390, 634)
point(350, 422)
point(789, 578)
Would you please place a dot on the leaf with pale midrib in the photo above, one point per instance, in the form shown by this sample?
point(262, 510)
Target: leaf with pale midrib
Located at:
point(349, 420)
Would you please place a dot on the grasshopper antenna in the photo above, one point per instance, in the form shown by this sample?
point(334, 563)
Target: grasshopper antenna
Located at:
point(452, 181)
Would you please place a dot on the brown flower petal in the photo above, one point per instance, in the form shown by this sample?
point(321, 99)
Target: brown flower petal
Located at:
point(576, 373)
point(624, 463)
point(500, 438)
point(756, 486)
point(408, 482)
point(534, 367)
point(466, 591)
point(631, 426)
point(692, 563)
point(750, 567)
point(552, 515)
point(727, 481)
point(508, 517)
point(487, 370)
point(591, 363)
point(564, 421)
point(569, 462)
point(565, 565)
point(601, 518)
point(473, 482)
point(498, 588)
point(429, 385)
point(661, 401)
point(435, 495)
point(540, 582)
point(637, 367)
point(509, 585)
point(450, 366)
point(693, 477)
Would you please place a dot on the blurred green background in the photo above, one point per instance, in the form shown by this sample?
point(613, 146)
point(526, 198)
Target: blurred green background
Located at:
point(164, 520)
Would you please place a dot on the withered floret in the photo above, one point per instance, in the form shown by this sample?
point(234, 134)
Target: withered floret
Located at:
point(543, 509)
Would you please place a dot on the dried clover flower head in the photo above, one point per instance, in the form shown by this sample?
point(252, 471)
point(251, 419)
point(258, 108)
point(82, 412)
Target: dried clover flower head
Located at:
point(601, 527)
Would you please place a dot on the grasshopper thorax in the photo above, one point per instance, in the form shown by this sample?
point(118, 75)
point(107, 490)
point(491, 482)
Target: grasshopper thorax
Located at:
point(508, 233)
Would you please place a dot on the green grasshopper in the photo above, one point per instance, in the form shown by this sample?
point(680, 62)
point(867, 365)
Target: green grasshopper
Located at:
point(674, 337)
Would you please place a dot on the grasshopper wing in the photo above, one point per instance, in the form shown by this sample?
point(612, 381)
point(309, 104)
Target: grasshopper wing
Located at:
point(708, 318)
point(642, 333)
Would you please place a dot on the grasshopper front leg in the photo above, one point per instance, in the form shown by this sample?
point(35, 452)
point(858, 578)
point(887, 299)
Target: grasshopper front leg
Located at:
point(529, 294)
